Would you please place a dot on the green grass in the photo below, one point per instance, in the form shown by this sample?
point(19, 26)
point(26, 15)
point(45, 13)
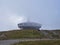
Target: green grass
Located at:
point(17, 34)
point(29, 33)
point(42, 42)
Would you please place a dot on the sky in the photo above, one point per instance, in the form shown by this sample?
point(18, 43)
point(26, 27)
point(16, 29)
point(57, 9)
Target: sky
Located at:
point(45, 12)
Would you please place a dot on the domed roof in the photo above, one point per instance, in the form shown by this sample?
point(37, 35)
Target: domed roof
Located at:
point(29, 24)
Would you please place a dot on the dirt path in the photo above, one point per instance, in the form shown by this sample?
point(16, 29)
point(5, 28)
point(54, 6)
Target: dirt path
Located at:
point(12, 41)
point(9, 42)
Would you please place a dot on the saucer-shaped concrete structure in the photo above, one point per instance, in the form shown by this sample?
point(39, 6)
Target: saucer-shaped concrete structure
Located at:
point(29, 25)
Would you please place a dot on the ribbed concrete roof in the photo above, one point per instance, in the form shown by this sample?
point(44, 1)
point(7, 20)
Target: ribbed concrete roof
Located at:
point(29, 24)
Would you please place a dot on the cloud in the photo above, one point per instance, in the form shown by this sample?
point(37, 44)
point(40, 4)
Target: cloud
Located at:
point(9, 19)
point(15, 19)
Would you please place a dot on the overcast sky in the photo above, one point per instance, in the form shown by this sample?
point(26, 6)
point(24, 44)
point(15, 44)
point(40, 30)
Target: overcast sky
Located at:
point(45, 12)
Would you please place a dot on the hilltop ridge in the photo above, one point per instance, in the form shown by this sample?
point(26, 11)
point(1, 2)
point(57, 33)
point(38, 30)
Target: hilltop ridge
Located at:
point(30, 33)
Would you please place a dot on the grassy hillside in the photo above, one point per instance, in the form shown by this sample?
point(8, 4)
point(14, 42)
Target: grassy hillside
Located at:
point(17, 34)
point(22, 34)
point(41, 42)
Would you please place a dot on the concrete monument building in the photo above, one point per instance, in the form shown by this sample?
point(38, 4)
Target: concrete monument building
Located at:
point(29, 25)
